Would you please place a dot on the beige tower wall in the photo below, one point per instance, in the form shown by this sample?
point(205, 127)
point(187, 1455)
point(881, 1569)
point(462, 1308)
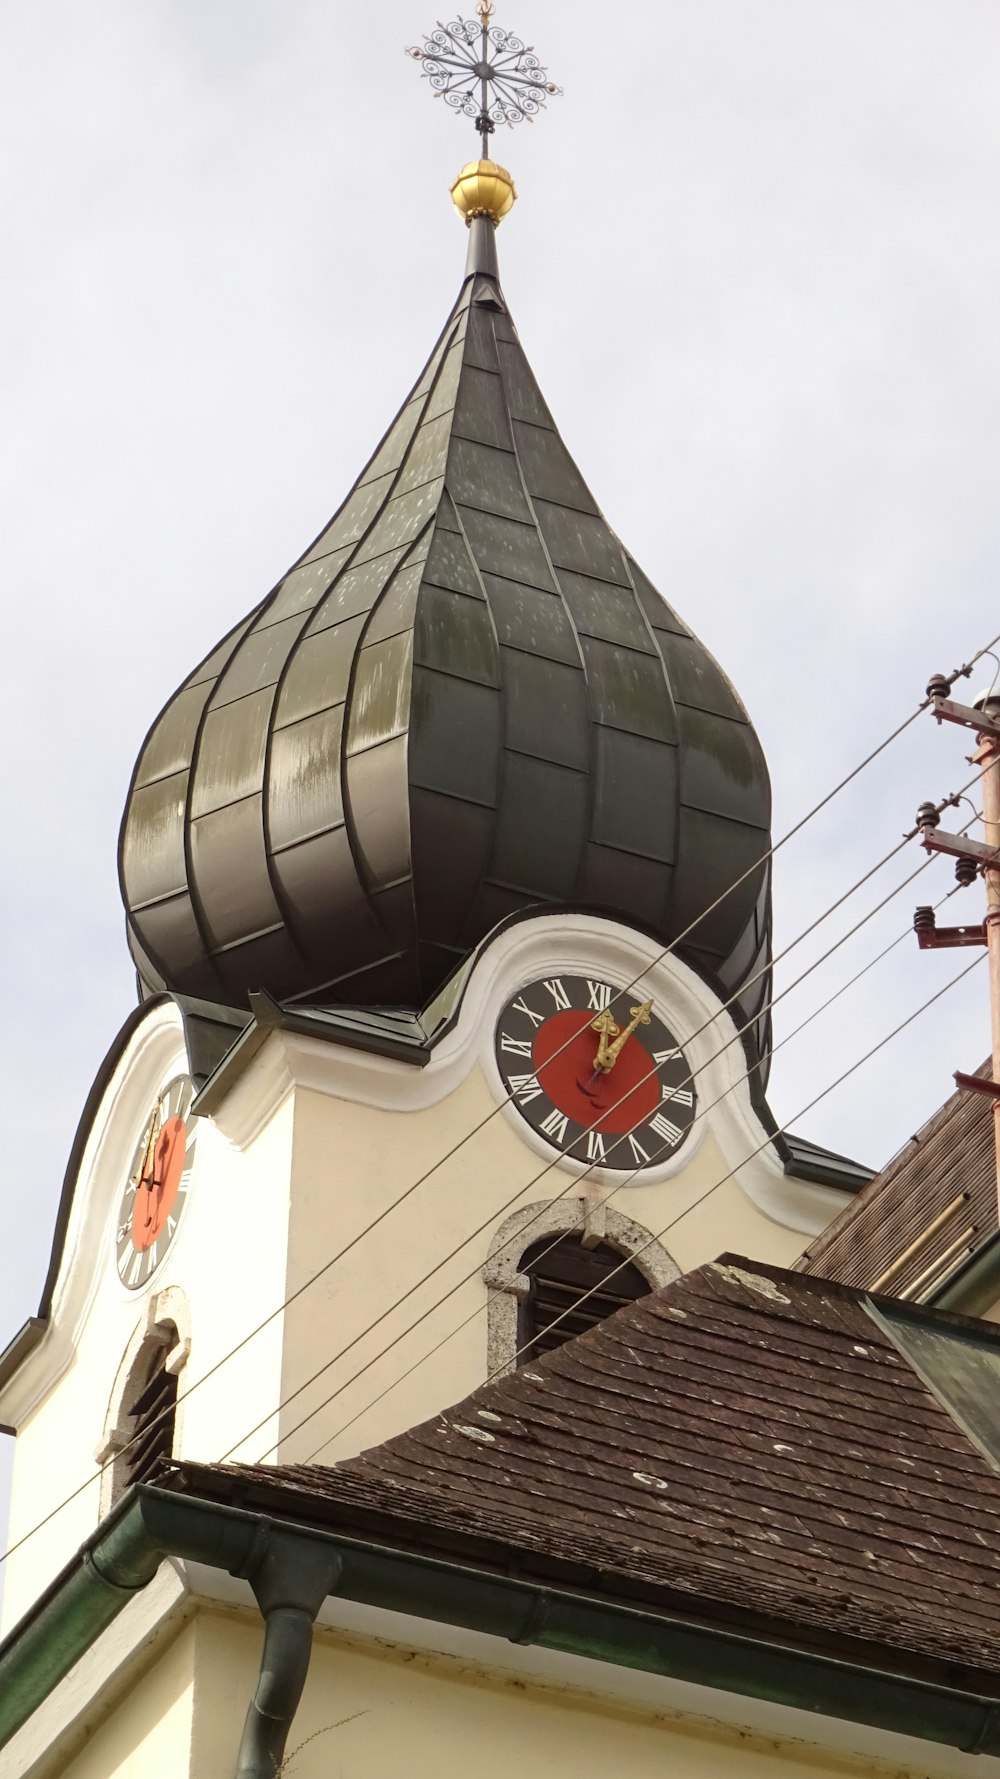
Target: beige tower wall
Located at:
point(223, 1273)
point(149, 1733)
point(354, 1164)
point(373, 1708)
point(335, 1275)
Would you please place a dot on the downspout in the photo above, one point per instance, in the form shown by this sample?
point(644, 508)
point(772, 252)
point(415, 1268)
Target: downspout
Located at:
point(290, 1578)
point(290, 1575)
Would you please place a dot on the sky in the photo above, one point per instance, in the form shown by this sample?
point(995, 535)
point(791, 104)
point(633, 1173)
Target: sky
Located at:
point(754, 264)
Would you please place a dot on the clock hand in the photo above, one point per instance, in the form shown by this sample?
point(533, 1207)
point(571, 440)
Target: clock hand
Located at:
point(611, 1052)
point(161, 1157)
point(145, 1165)
point(607, 1025)
point(147, 1174)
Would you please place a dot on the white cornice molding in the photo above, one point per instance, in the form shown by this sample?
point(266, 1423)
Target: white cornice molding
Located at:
point(521, 953)
point(264, 1086)
point(154, 1054)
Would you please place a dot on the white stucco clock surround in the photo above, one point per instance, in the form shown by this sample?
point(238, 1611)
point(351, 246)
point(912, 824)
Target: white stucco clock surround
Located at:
point(154, 1055)
point(519, 955)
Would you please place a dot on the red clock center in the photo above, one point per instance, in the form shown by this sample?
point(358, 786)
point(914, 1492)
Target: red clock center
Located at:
point(564, 1051)
point(156, 1192)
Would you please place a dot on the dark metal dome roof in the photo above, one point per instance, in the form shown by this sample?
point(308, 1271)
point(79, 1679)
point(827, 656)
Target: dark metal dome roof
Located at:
point(464, 701)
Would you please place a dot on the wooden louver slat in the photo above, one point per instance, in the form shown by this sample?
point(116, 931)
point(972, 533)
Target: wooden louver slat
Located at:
point(153, 1415)
point(582, 1286)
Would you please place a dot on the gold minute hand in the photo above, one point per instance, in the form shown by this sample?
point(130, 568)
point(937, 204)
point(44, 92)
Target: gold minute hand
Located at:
point(640, 1016)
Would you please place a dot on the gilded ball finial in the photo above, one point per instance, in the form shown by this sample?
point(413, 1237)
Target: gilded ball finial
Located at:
point(483, 188)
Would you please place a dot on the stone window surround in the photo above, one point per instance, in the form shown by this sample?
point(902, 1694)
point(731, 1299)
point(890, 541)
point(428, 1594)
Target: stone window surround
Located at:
point(506, 1284)
point(166, 1323)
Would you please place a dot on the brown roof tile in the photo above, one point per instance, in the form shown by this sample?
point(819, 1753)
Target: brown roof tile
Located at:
point(950, 1158)
point(748, 1442)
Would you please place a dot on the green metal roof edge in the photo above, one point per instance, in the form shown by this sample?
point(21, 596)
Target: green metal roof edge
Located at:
point(975, 1285)
point(806, 1160)
point(356, 1028)
point(892, 1318)
point(124, 1553)
point(32, 1331)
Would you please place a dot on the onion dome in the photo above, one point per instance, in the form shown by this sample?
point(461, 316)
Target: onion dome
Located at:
point(464, 702)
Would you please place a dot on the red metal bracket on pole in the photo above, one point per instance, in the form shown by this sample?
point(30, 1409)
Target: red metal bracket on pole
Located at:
point(935, 938)
point(948, 712)
point(976, 1084)
point(958, 845)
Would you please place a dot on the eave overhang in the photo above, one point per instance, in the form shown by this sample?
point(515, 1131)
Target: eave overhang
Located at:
point(476, 1585)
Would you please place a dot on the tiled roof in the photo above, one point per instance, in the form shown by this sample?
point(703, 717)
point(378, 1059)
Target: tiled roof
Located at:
point(940, 1186)
point(749, 1445)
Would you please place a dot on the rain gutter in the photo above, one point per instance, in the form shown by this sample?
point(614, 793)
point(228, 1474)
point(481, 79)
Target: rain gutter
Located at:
point(291, 1568)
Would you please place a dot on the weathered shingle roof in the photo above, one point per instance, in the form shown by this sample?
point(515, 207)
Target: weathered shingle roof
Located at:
point(748, 1444)
point(940, 1186)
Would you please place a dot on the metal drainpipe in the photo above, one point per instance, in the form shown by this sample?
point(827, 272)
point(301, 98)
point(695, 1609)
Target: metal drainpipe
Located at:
point(290, 1574)
point(290, 1580)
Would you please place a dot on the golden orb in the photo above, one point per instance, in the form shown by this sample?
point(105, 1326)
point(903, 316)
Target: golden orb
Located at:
point(483, 188)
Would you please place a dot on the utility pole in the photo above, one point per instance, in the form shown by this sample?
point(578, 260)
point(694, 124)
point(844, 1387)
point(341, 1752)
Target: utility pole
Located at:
point(974, 857)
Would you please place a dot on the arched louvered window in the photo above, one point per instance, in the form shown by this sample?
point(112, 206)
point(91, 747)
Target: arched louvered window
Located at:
point(150, 1410)
point(586, 1283)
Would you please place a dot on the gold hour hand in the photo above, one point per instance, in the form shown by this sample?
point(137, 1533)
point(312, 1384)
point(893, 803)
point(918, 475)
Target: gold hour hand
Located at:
point(147, 1163)
point(640, 1016)
point(607, 1025)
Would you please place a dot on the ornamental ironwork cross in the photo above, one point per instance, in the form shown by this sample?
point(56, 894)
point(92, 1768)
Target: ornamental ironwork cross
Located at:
point(484, 73)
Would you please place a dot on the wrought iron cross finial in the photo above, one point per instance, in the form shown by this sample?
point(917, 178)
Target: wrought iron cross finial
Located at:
point(484, 73)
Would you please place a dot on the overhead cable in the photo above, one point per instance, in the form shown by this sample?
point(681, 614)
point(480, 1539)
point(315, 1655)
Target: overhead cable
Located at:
point(694, 1205)
point(964, 671)
point(570, 1188)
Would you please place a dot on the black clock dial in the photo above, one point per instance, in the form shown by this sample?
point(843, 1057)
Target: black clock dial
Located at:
point(157, 1184)
point(595, 1071)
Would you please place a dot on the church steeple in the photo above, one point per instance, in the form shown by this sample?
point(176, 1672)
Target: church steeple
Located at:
point(464, 702)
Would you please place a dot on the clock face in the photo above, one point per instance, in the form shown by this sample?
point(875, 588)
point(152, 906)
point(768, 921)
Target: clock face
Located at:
point(595, 1072)
point(157, 1185)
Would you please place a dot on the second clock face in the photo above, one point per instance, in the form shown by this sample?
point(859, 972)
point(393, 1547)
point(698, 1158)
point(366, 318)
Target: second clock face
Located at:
point(595, 1072)
point(157, 1185)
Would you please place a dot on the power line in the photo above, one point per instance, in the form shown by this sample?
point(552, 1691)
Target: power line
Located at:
point(658, 1237)
point(652, 1071)
point(801, 1113)
point(569, 1188)
point(960, 672)
point(182, 1396)
point(907, 933)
